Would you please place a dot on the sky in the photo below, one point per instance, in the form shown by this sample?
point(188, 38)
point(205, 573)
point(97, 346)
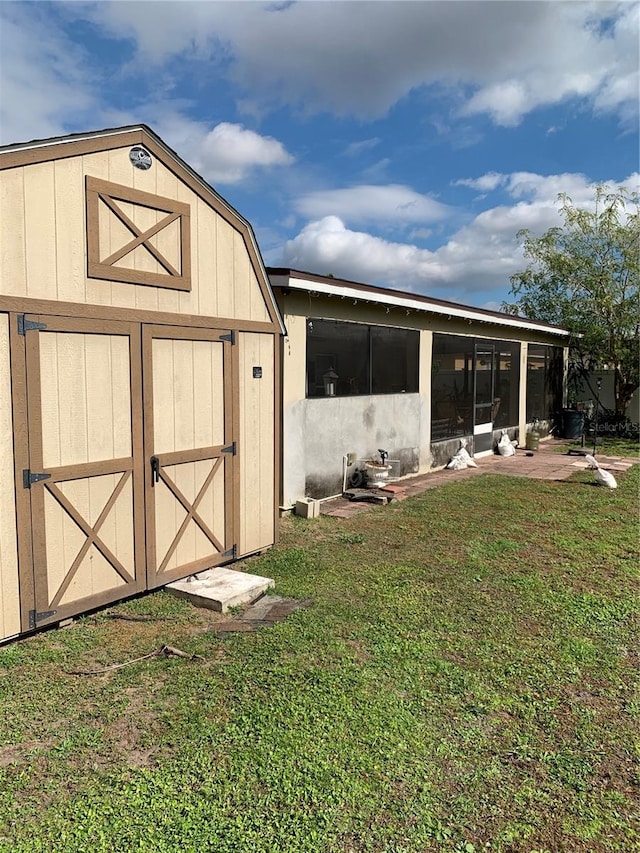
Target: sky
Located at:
point(401, 144)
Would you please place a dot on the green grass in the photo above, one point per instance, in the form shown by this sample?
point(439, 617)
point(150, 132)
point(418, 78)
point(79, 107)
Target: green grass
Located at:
point(606, 445)
point(465, 680)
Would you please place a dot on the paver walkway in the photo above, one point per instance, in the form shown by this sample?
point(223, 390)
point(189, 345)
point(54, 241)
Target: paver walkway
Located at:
point(547, 463)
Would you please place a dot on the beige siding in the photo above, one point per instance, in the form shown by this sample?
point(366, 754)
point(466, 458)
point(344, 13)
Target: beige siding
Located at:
point(9, 600)
point(69, 202)
point(64, 540)
point(256, 443)
point(13, 272)
point(187, 395)
point(86, 418)
point(188, 414)
point(43, 241)
point(102, 292)
point(86, 406)
point(40, 229)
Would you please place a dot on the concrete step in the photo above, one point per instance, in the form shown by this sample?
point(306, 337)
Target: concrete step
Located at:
point(219, 588)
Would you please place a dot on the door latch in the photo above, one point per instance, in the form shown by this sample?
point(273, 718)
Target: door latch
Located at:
point(155, 470)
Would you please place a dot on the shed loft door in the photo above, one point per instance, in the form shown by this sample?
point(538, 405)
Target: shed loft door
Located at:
point(189, 450)
point(85, 478)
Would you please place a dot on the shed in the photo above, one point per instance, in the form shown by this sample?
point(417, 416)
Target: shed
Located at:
point(139, 365)
point(368, 368)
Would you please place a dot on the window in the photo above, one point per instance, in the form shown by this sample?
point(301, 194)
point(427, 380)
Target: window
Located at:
point(544, 381)
point(348, 359)
point(394, 360)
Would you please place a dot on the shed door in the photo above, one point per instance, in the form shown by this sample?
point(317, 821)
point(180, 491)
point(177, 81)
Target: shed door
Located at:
point(85, 475)
point(189, 450)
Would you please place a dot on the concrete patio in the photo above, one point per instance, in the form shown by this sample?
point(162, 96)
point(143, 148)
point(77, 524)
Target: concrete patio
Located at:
point(551, 462)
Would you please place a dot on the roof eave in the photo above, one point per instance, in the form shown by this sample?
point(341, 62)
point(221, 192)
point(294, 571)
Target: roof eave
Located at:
point(384, 296)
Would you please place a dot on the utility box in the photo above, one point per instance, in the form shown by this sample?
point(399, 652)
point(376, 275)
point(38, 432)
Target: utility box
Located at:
point(308, 508)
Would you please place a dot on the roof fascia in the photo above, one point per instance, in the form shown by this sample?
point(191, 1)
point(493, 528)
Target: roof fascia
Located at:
point(346, 291)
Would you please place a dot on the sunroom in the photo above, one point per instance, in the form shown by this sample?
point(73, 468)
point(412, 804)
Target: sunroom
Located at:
point(367, 369)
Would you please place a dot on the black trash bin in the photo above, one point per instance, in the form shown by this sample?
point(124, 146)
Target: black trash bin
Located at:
point(572, 423)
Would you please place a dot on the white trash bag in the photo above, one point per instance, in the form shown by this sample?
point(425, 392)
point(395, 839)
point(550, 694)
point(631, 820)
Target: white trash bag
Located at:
point(505, 445)
point(603, 478)
point(462, 459)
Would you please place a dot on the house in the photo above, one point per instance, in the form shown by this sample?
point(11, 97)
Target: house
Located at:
point(139, 368)
point(366, 369)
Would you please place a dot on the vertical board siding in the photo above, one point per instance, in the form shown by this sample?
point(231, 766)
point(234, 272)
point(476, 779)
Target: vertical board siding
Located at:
point(225, 272)
point(257, 442)
point(40, 228)
point(169, 517)
point(168, 241)
point(43, 241)
point(13, 274)
point(102, 292)
point(85, 413)
point(188, 394)
point(9, 589)
point(204, 230)
point(64, 539)
point(241, 285)
point(114, 167)
point(267, 450)
point(69, 232)
point(86, 400)
point(188, 413)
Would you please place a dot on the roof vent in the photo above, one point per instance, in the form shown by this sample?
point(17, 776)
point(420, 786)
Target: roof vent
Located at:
point(140, 157)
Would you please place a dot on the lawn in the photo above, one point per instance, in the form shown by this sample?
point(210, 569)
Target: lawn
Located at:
point(465, 679)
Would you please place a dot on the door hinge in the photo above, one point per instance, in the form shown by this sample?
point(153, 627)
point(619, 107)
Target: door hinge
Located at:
point(230, 448)
point(28, 477)
point(25, 325)
point(231, 337)
point(35, 617)
point(231, 552)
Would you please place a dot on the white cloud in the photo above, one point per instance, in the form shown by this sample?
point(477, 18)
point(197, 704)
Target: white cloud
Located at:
point(229, 152)
point(501, 59)
point(546, 188)
point(328, 246)
point(485, 183)
point(392, 204)
point(504, 59)
point(46, 80)
point(355, 149)
point(479, 258)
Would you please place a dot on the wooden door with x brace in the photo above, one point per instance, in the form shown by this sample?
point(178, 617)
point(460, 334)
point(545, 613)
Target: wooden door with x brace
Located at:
point(189, 450)
point(127, 491)
point(85, 475)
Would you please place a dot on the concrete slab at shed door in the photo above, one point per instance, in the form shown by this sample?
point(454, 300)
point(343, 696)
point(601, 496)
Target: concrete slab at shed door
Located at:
point(220, 589)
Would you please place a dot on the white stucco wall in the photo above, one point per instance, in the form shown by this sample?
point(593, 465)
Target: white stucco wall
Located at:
point(317, 433)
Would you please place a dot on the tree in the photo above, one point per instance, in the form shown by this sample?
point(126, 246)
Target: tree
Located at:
point(584, 276)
